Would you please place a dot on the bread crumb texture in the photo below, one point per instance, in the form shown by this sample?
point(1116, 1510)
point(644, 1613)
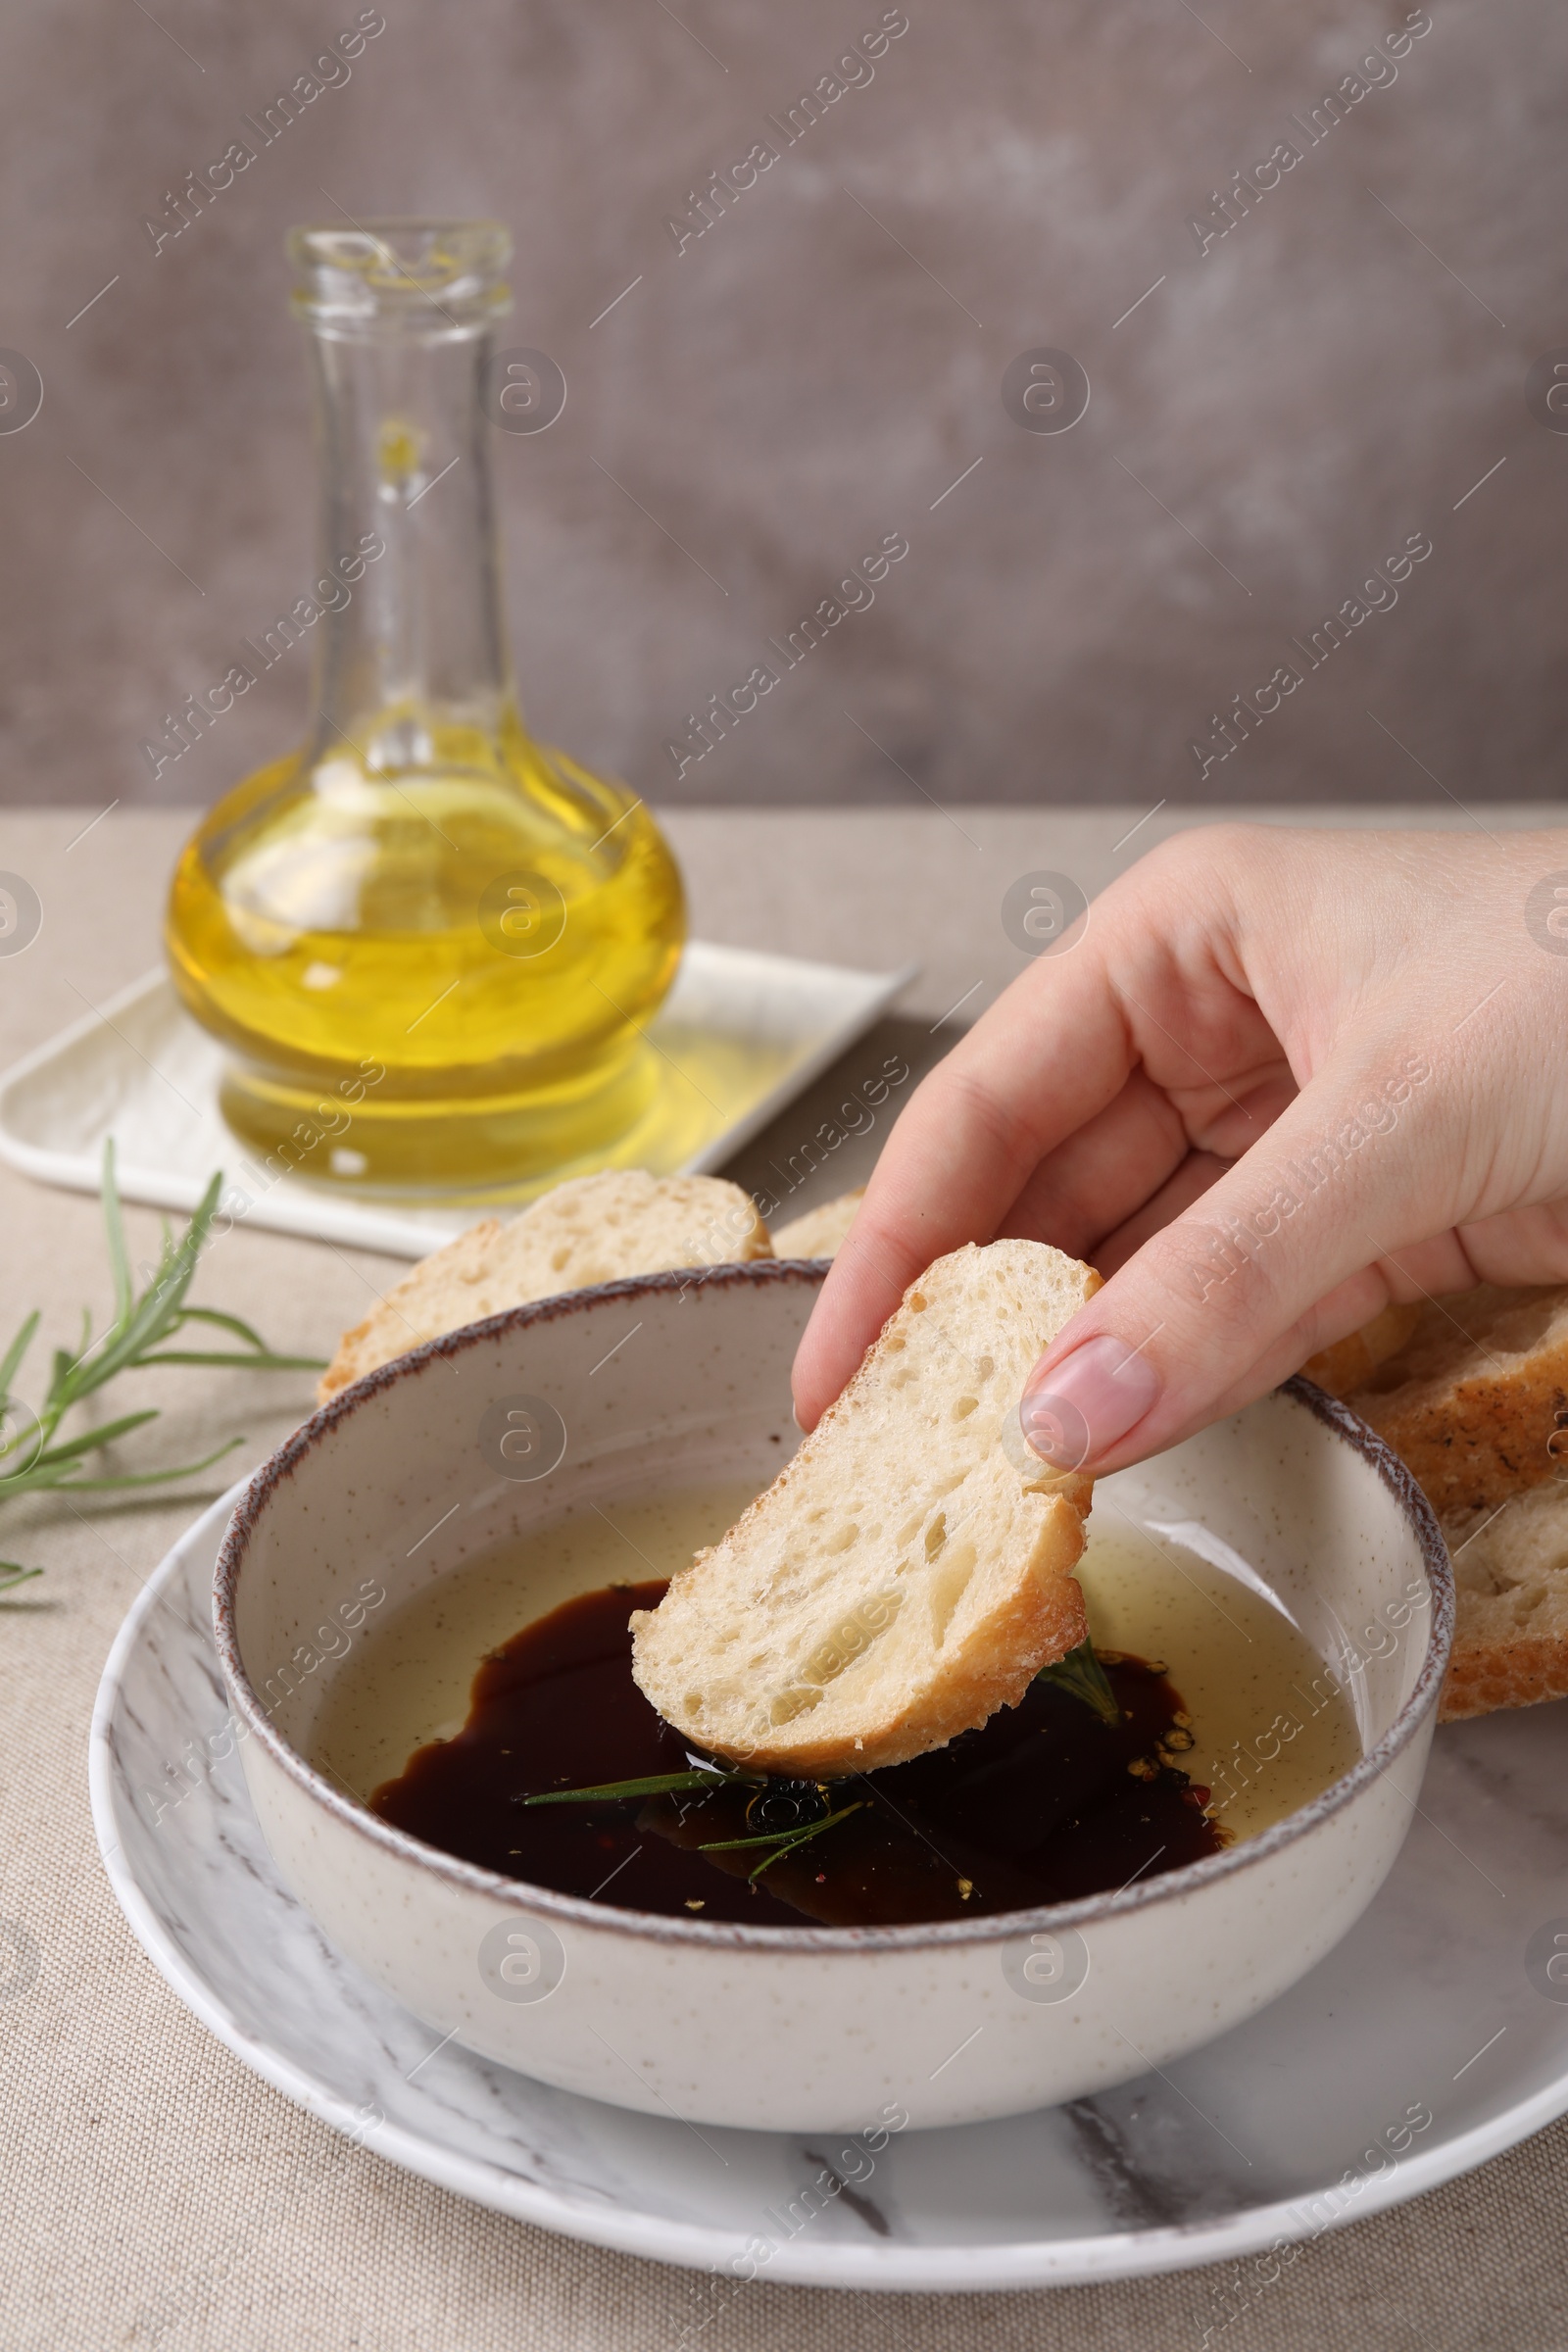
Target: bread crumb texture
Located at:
point(818, 1232)
point(1511, 1568)
point(901, 1579)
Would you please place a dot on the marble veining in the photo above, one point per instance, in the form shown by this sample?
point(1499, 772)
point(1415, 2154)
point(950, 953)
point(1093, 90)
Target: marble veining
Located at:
point(1136, 2197)
point(1425, 2008)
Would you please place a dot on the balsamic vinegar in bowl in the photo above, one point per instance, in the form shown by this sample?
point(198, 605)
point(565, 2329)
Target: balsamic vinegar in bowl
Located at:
point(477, 1734)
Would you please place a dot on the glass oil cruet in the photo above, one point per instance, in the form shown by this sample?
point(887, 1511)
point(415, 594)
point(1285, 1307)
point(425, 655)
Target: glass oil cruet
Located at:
point(428, 943)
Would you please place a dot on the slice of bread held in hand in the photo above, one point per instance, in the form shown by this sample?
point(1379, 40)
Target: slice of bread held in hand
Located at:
point(904, 1577)
point(1471, 1401)
point(818, 1232)
point(594, 1229)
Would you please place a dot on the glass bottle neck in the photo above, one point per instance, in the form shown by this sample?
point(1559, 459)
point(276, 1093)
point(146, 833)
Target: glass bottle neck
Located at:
point(411, 653)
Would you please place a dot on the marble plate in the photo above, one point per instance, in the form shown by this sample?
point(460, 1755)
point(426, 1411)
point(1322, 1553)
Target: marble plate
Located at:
point(1433, 2037)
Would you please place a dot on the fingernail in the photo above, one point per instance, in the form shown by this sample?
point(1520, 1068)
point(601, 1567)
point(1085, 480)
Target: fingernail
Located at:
point(1086, 1402)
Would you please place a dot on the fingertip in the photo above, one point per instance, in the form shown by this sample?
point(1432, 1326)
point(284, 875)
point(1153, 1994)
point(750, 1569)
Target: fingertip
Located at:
point(1076, 1407)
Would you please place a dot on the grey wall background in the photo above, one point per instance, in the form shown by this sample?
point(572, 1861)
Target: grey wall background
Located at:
point(1275, 418)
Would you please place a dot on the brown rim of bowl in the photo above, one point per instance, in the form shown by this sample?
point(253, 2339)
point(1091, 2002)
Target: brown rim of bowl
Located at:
point(607, 1918)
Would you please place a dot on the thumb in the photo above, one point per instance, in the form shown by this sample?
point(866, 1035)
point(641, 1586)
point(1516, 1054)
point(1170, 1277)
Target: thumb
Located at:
point(1273, 1260)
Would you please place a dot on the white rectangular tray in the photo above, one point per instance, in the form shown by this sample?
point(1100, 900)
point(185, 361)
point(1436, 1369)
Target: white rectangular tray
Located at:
point(757, 1027)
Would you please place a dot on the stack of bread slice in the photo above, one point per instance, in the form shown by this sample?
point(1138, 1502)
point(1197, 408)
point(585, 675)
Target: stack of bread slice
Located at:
point(1472, 1393)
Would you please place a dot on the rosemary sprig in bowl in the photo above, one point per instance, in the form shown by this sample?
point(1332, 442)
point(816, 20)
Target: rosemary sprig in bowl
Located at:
point(782, 1842)
point(33, 1457)
point(709, 1777)
point(1081, 1675)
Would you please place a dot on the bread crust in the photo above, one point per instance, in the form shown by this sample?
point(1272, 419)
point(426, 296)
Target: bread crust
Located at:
point(1485, 1675)
point(1350, 1362)
point(1472, 1400)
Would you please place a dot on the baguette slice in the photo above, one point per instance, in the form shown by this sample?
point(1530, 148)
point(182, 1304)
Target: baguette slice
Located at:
point(1510, 1643)
point(595, 1229)
point(901, 1579)
point(819, 1232)
point(1471, 1401)
point(1351, 1362)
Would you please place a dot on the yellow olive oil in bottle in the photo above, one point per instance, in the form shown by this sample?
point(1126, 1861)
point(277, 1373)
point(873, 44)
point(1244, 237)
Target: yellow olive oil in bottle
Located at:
point(428, 943)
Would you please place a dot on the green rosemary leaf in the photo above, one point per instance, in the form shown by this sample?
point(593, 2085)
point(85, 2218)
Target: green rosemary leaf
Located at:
point(133, 1339)
point(783, 1842)
point(70, 1448)
point(1081, 1675)
point(11, 1360)
point(725, 1845)
point(802, 1837)
point(145, 1478)
point(259, 1360)
point(657, 1783)
point(155, 1314)
point(241, 1330)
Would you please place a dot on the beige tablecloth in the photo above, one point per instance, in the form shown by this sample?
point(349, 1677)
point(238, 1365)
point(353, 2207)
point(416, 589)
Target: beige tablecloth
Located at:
point(151, 2189)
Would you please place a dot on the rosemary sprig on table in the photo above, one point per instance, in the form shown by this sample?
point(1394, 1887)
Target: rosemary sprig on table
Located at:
point(33, 1460)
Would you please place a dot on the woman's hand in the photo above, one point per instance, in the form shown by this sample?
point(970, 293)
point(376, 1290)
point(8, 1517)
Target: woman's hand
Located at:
point(1276, 1079)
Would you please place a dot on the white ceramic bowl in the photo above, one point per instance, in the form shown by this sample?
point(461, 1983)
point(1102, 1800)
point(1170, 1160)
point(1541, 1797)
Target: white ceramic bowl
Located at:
point(810, 2028)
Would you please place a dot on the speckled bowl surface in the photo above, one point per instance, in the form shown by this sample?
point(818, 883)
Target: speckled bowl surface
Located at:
point(667, 1380)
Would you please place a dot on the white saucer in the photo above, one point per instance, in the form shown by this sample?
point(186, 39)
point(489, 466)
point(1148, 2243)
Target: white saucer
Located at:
point(1290, 2125)
point(738, 1036)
